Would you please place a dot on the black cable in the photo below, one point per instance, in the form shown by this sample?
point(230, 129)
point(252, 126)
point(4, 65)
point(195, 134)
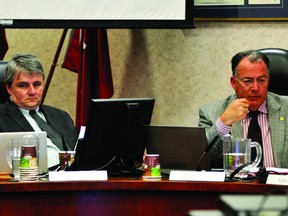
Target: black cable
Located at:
point(236, 171)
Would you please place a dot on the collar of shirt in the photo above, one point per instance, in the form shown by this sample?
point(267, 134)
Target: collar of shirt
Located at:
point(30, 119)
point(263, 111)
point(263, 108)
point(25, 112)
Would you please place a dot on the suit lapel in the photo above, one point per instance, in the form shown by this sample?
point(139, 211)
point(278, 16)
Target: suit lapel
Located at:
point(277, 121)
point(15, 114)
point(48, 116)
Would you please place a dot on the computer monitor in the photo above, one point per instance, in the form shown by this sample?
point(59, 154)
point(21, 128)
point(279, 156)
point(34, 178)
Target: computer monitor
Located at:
point(114, 136)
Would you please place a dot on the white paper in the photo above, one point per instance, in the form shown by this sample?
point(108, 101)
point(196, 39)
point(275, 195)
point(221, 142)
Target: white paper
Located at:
point(271, 169)
point(197, 176)
point(82, 132)
point(100, 175)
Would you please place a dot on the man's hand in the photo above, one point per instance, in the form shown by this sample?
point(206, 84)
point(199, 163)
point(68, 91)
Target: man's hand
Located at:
point(235, 112)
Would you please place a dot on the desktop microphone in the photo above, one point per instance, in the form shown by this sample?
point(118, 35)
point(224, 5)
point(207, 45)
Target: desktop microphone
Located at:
point(207, 149)
point(64, 144)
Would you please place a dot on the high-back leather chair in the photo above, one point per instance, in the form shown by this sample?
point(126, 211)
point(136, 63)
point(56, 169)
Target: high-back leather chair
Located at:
point(3, 92)
point(278, 69)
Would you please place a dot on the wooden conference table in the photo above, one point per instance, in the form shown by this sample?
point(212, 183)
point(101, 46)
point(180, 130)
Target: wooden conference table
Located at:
point(118, 196)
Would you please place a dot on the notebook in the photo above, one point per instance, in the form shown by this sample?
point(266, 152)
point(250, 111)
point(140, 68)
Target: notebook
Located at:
point(5, 159)
point(180, 148)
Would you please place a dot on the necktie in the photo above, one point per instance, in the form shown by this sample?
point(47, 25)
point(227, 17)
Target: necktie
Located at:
point(254, 133)
point(51, 133)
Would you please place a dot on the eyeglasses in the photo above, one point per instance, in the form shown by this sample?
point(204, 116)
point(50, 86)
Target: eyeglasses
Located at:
point(249, 82)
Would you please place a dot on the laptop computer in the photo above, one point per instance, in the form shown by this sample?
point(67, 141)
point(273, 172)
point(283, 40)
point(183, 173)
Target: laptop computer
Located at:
point(5, 159)
point(180, 148)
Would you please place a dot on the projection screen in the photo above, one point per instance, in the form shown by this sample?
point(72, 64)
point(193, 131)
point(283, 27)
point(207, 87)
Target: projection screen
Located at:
point(95, 13)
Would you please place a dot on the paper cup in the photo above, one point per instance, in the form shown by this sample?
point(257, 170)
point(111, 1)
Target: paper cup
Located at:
point(28, 156)
point(66, 159)
point(152, 166)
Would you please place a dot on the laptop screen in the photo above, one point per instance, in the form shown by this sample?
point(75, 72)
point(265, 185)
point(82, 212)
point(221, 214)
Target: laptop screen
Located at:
point(5, 159)
point(180, 148)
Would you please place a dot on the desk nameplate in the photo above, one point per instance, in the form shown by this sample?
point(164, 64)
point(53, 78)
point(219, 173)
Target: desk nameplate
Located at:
point(197, 176)
point(277, 179)
point(100, 175)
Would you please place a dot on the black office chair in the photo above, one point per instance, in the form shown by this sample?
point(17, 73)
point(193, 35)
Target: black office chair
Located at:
point(278, 69)
point(3, 92)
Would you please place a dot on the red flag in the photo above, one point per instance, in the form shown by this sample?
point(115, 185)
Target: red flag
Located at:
point(88, 54)
point(73, 54)
point(3, 43)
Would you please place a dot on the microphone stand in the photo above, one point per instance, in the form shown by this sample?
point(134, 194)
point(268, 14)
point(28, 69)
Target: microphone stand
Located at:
point(207, 149)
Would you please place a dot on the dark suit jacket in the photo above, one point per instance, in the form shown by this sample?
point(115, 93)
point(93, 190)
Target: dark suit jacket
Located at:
point(12, 120)
point(278, 121)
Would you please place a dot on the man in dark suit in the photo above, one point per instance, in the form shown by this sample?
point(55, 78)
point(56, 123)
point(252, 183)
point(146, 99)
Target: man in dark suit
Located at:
point(24, 82)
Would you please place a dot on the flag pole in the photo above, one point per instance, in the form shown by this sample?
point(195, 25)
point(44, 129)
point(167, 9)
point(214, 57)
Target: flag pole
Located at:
point(53, 66)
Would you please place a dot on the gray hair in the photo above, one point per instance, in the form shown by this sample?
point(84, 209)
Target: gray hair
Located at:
point(26, 63)
point(253, 56)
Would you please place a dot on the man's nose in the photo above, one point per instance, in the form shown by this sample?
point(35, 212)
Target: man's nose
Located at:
point(31, 89)
point(255, 85)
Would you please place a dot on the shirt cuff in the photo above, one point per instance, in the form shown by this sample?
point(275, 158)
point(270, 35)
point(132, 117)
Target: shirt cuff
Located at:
point(222, 128)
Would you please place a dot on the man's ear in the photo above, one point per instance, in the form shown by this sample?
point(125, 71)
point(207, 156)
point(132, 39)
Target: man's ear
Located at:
point(233, 82)
point(8, 89)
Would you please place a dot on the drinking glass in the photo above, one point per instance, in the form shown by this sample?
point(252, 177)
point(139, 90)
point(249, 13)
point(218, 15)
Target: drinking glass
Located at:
point(15, 154)
point(237, 153)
